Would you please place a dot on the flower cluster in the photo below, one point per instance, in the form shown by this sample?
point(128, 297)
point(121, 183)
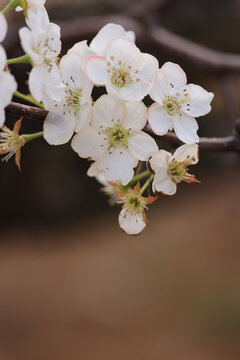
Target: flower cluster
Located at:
point(111, 131)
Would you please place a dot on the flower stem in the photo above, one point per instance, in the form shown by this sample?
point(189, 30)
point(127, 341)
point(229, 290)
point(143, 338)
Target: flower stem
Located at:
point(29, 137)
point(28, 99)
point(25, 59)
point(137, 178)
point(147, 183)
point(11, 5)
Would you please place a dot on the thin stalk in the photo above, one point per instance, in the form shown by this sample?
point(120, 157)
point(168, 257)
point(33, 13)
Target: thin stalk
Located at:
point(25, 59)
point(29, 137)
point(28, 99)
point(147, 183)
point(10, 6)
point(137, 178)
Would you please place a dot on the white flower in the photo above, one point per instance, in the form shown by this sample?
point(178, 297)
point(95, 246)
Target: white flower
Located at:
point(43, 45)
point(3, 27)
point(171, 169)
point(177, 104)
point(126, 72)
point(115, 139)
point(72, 112)
point(132, 218)
point(8, 84)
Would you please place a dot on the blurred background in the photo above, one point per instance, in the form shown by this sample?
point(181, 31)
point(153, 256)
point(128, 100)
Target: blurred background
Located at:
point(72, 284)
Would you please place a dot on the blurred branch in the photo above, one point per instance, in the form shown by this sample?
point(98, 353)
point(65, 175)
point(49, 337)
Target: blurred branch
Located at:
point(228, 143)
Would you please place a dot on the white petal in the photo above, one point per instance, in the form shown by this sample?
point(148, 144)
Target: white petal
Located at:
point(83, 117)
point(118, 165)
point(107, 111)
point(186, 128)
point(185, 152)
point(101, 41)
point(175, 75)
point(162, 182)
point(141, 145)
point(158, 119)
point(132, 92)
point(82, 49)
point(35, 82)
point(2, 117)
point(8, 86)
point(160, 87)
point(28, 41)
point(159, 160)
point(58, 129)
point(93, 170)
point(37, 18)
point(199, 102)
point(149, 69)
point(3, 58)
point(96, 69)
point(132, 224)
point(130, 35)
point(125, 51)
point(3, 27)
point(70, 67)
point(136, 115)
point(89, 143)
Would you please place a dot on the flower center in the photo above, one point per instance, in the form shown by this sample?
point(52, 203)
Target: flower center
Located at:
point(177, 171)
point(121, 76)
point(9, 143)
point(117, 135)
point(173, 103)
point(73, 99)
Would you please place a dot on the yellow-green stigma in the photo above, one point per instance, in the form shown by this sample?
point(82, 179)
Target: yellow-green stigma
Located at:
point(173, 103)
point(73, 99)
point(117, 135)
point(177, 171)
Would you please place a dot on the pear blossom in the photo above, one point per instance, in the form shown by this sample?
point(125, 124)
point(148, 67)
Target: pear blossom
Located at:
point(8, 84)
point(43, 45)
point(72, 111)
point(114, 139)
point(132, 218)
point(177, 104)
point(171, 169)
point(125, 71)
point(11, 143)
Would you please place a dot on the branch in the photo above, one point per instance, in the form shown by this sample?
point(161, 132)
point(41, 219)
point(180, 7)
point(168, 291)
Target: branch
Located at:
point(228, 143)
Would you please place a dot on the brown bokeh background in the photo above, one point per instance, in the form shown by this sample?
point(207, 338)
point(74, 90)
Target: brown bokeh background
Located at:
point(72, 284)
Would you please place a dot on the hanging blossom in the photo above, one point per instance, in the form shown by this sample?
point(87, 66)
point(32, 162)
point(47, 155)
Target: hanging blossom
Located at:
point(171, 169)
point(72, 112)
point(11, 143)
point(177, 104)
point(125, 71)
point(132, 218)
point(114, 139)
point(43, 46)
point(8, 84)
point(110, 188)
